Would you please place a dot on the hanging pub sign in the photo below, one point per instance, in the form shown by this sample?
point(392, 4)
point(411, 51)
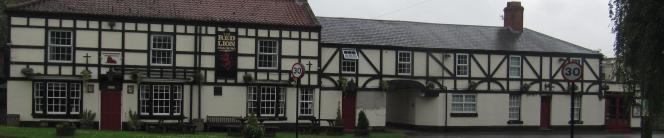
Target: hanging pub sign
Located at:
point(226, 55)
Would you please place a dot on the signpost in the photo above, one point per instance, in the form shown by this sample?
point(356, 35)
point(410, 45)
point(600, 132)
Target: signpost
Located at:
point(572, 72)
point(297, 71)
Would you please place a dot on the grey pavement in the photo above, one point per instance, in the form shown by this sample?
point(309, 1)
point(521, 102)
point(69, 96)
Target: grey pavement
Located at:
point(528, 134)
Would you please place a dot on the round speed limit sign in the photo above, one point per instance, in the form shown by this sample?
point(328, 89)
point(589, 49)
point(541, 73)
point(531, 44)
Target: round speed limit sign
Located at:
point(572, 71)
point(297, 71)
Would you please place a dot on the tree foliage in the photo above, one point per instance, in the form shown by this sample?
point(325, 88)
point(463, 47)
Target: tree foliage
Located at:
point(639, 48)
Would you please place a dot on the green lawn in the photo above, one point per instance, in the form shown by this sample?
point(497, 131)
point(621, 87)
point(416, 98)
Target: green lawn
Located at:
point(28, 132)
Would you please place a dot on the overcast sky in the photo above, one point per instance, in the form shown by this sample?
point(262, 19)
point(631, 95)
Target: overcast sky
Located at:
point(582, 22)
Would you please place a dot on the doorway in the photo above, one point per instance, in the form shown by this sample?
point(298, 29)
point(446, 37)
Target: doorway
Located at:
point(111, 110)
point(545, 113)
point(617, 113)
point(348, 110)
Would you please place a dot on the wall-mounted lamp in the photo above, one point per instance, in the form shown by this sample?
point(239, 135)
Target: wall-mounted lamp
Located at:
point(562, 59)
point(130, 89)
point(111, 24)
point(91, 88)
point(447, 55)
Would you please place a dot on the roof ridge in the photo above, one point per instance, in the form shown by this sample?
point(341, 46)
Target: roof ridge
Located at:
point(385, 20)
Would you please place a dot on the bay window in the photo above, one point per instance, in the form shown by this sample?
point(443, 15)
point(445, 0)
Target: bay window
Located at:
point(56, 98)
point(160, 100)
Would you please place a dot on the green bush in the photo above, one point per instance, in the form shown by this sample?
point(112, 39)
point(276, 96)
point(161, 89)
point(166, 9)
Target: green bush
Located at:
point(134, 121)
point(362, 121)
point(253, 129)
point(338, 121)
point(87, 118)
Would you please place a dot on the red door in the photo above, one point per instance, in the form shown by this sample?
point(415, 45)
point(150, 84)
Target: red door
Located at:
point(545, 113)
point(348, 110)
point(111, 114)
point(617, 114)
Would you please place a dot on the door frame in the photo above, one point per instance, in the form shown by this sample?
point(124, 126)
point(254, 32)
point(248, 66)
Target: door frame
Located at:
point(118, 102)
point(545, 113)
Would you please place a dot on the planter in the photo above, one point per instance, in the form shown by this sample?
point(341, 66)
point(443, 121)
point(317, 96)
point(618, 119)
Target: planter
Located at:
point(68, 131)
point(335, 131)
point(361, 132)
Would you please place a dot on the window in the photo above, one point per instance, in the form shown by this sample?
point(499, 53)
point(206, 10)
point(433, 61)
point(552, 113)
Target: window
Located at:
point(307, 102)
point(349, 53)
point(60, 46)
point(267, 54)
point(405, 61)
point(464, 103)
point(348, 66)
point(349, 61)
point(462, 65)
point(56, 98)
point(515, 107)
point(515, 67)
point(577, 108)
point(266, 101)
point(161, 99)
point(161, 52)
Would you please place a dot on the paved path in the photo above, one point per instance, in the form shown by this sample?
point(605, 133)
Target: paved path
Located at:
point(415, 134)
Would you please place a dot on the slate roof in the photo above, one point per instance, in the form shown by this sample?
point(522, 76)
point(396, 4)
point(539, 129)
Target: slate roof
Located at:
point(269, 12)
point(447, 36)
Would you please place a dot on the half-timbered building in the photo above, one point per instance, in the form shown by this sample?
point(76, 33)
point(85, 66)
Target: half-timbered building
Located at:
point(180, 59)
point(427, 75)
point(168, 59)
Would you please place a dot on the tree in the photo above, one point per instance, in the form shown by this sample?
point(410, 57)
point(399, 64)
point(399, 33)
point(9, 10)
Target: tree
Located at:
point(639, 47)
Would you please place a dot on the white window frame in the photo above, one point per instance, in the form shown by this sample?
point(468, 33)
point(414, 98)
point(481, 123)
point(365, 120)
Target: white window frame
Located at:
point(268, 100)
point(60, 97)
point(157, 98)
point(306, 102)
point(348, 66)
point(55, 42)
point(350, 53)
point(404, 63)
point(459, 72)
point(577, 107)
point(156, 58)
point(514, 110)
point(514, 67)
point(260, 53)
point(465, 104)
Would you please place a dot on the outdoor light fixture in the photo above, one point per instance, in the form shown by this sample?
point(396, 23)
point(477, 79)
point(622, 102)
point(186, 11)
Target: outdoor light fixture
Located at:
point(91, 88)
point(130, 89)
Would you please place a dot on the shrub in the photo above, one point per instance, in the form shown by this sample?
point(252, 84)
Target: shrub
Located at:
point(134, 122)
point(87, 118)
point(253, 129)
point(343, 83)
point(339, 121)
point(362, 121)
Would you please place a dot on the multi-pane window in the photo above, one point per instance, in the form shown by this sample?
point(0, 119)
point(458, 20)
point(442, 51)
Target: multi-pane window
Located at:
point(160, 99)
point(266, 101)
point(405, 61)
point(161, 52)
point(462, 64)
point(267, 56)
point(350, 53)
point(349, 61)
point(56, 97)
point(307, 102)
point(348, 66)
point(515, 66)
point(515, 107)
point(464, 103)
point(577, 108)
point(60, 46)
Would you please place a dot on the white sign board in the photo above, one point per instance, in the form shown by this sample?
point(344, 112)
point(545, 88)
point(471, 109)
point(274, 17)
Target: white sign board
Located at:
point(572, 71)
point(111, 58)
point(297, 71)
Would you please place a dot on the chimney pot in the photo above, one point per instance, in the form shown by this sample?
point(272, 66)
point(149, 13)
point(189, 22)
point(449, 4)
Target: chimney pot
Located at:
point(513, 16)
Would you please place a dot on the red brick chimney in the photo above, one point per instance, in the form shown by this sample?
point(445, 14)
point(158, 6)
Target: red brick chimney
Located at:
point(513, 16)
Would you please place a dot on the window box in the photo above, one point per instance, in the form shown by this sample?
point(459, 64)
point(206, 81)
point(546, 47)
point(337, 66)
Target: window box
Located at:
point(463, 114)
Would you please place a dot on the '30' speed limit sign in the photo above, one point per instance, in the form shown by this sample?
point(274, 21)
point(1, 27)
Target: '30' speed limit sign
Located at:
point(572, 71)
